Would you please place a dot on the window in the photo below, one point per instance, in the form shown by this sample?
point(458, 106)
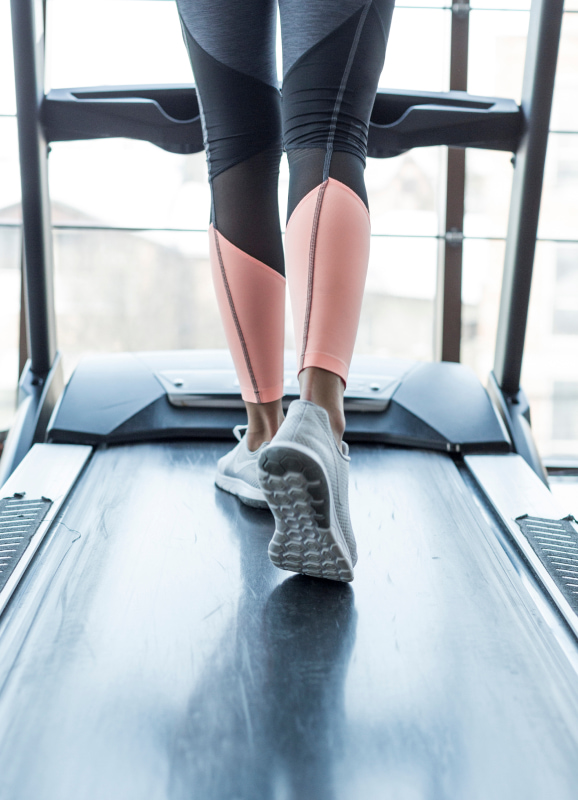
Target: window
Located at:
point(565, 410)
point(565, 313)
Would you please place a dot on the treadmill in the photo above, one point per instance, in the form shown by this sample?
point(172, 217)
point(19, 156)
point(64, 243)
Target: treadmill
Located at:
point(149, 649)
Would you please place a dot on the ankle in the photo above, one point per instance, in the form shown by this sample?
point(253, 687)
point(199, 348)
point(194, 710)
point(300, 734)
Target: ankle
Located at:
point(337, 422)
point(325, 389)
point(255, 438)
point(264, 421)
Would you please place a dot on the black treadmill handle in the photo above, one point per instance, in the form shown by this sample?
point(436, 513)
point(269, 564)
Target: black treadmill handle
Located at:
point(168, 116)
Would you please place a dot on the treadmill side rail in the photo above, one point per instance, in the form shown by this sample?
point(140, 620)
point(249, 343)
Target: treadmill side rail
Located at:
point(48, 472)
point(37, 398)
point(514, 411)
point(515, 491)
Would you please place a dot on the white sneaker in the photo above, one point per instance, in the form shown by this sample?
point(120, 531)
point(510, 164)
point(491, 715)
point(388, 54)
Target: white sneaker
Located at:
point(237, 472)
point(305, 478)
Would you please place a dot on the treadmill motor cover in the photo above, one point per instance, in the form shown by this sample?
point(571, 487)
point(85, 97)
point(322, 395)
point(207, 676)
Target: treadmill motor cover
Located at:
point(132, 397)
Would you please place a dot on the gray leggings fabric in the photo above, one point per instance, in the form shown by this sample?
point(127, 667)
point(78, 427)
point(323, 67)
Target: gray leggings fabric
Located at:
point(241, 34)
point(333, 53)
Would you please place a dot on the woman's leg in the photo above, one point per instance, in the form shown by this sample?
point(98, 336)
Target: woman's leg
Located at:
point(232, 51)
point(330, 79)
point(333, 52)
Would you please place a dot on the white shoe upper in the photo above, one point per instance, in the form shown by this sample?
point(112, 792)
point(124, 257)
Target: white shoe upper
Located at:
point(237, 471)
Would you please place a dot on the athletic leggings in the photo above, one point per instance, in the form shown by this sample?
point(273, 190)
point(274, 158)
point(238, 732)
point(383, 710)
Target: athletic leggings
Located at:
point(333, 53)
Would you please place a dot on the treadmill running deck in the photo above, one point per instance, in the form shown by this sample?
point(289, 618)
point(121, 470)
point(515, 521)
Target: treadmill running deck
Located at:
point(152, 650)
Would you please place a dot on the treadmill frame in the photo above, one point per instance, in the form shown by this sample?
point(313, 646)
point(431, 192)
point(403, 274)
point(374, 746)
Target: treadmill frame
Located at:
point(526, 133)
point(41, 383)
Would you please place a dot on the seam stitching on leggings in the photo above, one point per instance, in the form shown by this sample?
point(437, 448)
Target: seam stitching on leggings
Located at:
point(341, 92)
point(236, 319)
point(311, 269)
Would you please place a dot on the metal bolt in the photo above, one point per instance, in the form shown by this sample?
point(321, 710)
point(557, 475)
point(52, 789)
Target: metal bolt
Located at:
point(461, 9)
point(454, 236)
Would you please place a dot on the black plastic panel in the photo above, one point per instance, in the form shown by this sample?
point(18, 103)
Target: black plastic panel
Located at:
point(168, 116)
point(122, 398)
point(403, 120)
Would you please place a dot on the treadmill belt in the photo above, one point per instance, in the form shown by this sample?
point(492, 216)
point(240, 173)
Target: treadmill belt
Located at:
point(19, 521)
point(165, 657)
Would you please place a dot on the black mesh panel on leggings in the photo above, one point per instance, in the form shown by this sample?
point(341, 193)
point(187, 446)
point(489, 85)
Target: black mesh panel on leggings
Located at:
point(246, 203)
point(306, 167)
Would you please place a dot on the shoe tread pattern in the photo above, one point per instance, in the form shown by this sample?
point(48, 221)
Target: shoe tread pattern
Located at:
point(299, 496)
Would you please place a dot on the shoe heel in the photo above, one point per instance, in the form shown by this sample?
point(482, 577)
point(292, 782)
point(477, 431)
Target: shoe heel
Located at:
point(306, 539)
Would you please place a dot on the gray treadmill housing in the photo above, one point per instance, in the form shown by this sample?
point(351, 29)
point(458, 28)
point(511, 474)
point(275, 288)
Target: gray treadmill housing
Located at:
point(130, 397)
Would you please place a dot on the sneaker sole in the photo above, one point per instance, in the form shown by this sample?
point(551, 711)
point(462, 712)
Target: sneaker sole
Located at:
point(308, 537)
point(246, 493)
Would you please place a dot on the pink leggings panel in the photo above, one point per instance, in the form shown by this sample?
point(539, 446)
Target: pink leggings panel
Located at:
point(251, 298)
point(327, 253)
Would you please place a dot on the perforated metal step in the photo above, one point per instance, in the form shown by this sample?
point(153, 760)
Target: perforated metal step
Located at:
point(19, 520)
point(555, 542)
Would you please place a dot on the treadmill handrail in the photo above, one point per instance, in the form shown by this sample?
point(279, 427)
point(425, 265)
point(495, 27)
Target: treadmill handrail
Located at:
point(537, 92)
point(168, 116)
point(38, 263)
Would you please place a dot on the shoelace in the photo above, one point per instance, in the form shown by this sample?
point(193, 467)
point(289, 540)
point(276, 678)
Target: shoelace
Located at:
point(237, 431)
